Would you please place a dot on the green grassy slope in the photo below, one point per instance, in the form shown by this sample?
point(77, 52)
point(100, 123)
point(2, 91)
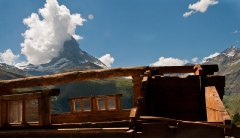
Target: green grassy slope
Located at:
point(9, 74)
point(232, 87)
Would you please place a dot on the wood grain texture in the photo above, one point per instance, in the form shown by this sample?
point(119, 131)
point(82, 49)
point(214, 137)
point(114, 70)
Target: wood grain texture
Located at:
point(216, 111)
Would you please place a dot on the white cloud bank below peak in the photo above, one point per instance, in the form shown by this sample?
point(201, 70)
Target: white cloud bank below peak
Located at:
point(8, 57)
point(162, 61)
point(205, 59)
point(200, 6)
point(46, 35)
point(107, 60)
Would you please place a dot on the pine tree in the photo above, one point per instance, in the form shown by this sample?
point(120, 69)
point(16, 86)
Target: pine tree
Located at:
point(236, 119)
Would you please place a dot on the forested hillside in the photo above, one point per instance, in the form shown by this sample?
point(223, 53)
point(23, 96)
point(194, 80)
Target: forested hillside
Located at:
point(94, 87)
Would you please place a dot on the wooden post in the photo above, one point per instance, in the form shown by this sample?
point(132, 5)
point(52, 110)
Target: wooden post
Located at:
point(137, 84)
point(45, 107)
point(118, 103)
point(3, 114)
point(40, 111)
point(24, 112)
point(47, 110)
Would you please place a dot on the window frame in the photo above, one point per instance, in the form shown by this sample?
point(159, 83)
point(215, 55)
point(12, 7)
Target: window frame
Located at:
point(23, 112)
point(81, 100)
point(94, 105)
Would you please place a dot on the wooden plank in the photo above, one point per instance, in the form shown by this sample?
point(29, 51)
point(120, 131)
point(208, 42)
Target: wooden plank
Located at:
point(30, 94)
point(71, 77)
point(199, 130)
point(156, 130)
point(80, 131)
point(133, 112)
point(99, 116)
point(20, 96)
point(182, 121)
point(98, 96)
point(216, 111)
point(50, 92)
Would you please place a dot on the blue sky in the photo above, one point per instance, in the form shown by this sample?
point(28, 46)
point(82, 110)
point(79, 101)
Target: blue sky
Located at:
point(136, 32)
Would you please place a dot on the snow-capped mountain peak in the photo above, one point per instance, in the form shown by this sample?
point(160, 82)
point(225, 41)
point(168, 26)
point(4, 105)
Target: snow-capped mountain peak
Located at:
point(230, 52)
point(70, 58)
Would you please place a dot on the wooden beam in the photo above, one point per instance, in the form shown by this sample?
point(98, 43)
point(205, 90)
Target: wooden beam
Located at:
point(214, 80)
point(216, 111)
point(50, 92)
point(97, 96)
point(70, 77)
point(175, 69)
point(20, 96)
point(207, 69)
point(210, 69)
point(183, 121)
point(7, 85)
point(30, 94)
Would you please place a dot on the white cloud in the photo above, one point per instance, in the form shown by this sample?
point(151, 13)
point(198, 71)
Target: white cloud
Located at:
point(195, 59)
point(21, 64)
point(77, 37)
point(46, 34)
point(210, 56)
point(8, 57)
point(107, 60)
point(186, 14)
point(169, 62)
point(235, 32)
point(200, 6)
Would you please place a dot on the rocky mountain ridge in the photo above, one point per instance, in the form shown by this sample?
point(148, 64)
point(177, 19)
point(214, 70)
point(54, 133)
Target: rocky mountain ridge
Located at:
point(10, 72)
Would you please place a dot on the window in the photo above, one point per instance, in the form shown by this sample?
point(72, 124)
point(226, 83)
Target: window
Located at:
point(86, 105)
point(77, 106)
point(81, 105)
point(31, 110)
point(101, 104)
point(19, 114)
point(95, 103)
point(15, 111)
point(111, 103)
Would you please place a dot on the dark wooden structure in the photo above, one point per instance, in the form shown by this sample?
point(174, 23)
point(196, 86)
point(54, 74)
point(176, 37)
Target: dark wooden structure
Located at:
point(172, 101)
